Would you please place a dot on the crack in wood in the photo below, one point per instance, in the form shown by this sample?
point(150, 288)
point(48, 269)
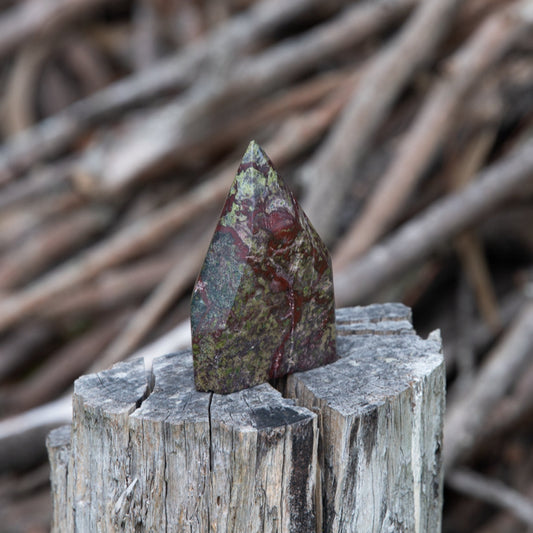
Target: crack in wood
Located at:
point(210, 432)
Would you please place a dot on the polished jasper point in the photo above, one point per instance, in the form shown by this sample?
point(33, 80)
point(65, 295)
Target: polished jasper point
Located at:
point(263, 304)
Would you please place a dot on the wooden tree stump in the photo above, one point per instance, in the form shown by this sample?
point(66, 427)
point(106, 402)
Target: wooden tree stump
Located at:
point(352, 446)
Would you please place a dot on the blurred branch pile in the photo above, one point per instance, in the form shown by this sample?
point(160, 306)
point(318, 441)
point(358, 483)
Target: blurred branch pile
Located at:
point(405, 127)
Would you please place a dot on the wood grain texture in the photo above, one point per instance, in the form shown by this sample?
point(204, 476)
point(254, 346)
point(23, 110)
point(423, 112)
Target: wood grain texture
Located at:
point(355, 446)
point(58, 445)
point(380, 417)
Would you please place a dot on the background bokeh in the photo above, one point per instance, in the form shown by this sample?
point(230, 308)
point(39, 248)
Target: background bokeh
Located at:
point(404, 127)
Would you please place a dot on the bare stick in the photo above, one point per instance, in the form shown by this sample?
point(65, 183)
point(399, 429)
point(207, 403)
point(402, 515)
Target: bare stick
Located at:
point(17, 224)
point(513, 410)
point(481, 335)
point(179, 71)
point(22, 436)
point(144, 41)
point(466, 360)
point(465, 419)
point(416, 239)
point(187, 259)
point(491, 491)
point(302, 130)
point(188, 120)
point(96, 173)
point(23, 347)
point(341, 153)
point(35, 18)
point(472, 256)
point(52, 242)
point(167, 292)
point(124, 244)
point(468, 244)
point(41, 181)
point(296, 99)
point(436, 119)
point(66, 365)
point(176, 339)
point(19, 111)
point(113, 288)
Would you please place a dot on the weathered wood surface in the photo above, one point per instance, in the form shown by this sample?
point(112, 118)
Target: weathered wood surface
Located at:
point(380, 420)
point(182, 460)
point(354, 446)
point(58, 444)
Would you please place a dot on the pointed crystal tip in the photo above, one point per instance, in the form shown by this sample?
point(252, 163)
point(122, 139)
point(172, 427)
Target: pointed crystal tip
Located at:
point(254, 151)
point(263, 304)
point(255, 154)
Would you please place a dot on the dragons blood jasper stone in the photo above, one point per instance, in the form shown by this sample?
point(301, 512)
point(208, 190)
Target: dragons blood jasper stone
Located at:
point(263, 304)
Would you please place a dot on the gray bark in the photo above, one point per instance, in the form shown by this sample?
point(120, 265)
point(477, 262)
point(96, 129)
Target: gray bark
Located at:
point(353, 446)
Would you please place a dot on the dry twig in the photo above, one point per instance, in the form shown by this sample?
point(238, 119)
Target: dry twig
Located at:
point(63, 368)
point(50, 243)
point(491, 491)
point(113, 288)
point(31, 19)
point(340, 155)
point(465, 419)
point(96, 175)
point(42, 181)
point(22, 347)
point(423, 234)
point(22, 437)
point(468, 244)
point(140, 236)
point(435, 120)
point(174, 73)
point(19, 108)
point(168, 291)
point(513, 410)
point(155, 141)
